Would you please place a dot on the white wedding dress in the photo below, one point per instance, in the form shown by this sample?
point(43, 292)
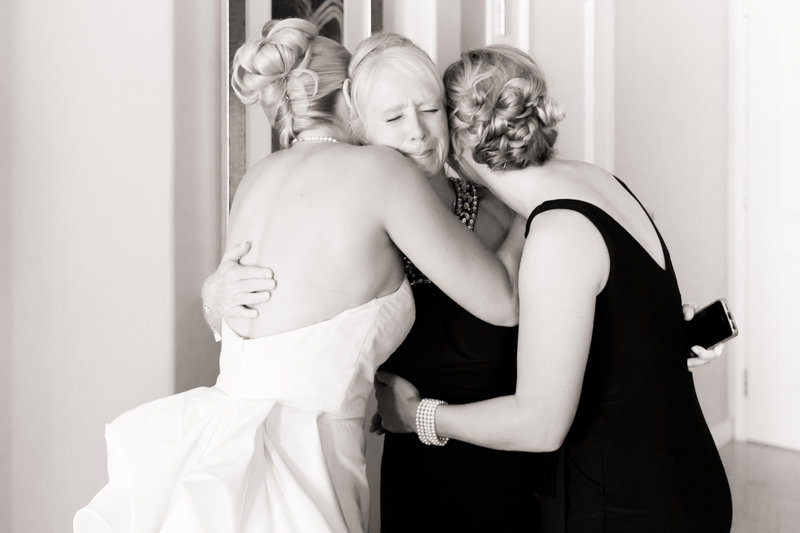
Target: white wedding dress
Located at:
point(277, 445)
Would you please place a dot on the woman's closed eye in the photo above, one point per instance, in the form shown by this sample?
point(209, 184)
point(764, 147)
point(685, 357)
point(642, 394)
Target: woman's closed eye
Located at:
point(431, 110)
point(394, 118)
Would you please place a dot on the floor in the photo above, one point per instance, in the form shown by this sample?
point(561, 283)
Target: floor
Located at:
point(765, 483)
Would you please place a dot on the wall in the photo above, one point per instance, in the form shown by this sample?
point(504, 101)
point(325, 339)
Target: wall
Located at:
point(5, 267)
point(661, 69)
point(417, 20)
point(91, 240)
point(198, 81)
point(435, 26)
point(558, 46)
point(114, 224)
point(671, 147)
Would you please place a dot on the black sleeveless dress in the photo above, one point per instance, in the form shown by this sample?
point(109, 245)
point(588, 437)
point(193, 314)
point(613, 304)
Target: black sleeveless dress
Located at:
point(639, 456)
point(453, 356)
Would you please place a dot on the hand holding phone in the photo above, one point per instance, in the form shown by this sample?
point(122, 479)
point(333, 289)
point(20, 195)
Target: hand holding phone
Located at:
point(712, 325)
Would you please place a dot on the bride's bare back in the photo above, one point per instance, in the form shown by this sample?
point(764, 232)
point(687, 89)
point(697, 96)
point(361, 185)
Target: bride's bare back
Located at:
point(312, 214)
point(328, 218)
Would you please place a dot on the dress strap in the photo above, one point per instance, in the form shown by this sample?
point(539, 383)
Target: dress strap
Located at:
point(667, 257)
point(603, 221)
point(563, 203)
point(573, 204)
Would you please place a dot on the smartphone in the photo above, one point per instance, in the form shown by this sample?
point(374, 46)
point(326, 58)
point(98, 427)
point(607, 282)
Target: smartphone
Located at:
point(712, 325)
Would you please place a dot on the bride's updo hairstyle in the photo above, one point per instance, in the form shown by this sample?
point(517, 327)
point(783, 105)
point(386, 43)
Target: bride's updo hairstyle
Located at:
point(498, 104)
point(385, 50)
point(294, 73)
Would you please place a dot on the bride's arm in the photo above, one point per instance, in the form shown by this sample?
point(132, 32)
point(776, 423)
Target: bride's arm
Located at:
point(482, 282)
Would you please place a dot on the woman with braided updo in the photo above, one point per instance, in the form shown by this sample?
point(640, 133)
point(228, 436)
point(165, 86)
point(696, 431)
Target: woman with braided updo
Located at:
point(278, 443)
point(601, 372)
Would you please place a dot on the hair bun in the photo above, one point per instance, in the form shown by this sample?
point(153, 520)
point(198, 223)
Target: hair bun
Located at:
point(294, 73)
point(549, 112)
point(262, 67)
point(498, 103)
point(522, 125)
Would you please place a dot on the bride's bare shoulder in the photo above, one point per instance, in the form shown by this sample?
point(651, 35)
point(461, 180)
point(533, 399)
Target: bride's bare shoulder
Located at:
point(382, 165)
point(377, 155)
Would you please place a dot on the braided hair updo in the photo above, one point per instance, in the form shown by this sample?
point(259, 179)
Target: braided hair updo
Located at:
point(498, 104)
point(294, 73)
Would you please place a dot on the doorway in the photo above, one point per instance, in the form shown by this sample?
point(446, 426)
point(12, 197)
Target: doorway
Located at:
point(765, 206)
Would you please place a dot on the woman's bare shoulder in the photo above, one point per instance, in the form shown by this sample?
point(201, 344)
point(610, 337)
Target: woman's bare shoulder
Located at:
point(380, 161)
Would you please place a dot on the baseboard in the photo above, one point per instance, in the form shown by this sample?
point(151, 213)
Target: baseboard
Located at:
point(722, 432)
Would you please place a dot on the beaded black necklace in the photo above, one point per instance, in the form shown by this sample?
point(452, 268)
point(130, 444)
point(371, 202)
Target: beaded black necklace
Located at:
point(465, 207)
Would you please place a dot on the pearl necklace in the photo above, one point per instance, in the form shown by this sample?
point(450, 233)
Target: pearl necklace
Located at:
point(315, 138)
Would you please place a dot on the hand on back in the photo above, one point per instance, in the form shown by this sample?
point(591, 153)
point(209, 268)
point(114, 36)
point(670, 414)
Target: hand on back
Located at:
point(232, 289)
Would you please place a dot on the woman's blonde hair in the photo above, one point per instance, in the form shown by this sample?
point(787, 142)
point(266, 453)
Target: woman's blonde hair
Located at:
point(294, 73)
point(384, 49)
point(498, 104)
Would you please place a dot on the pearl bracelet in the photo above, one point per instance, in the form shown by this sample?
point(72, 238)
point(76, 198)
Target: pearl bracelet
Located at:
point(426, 422)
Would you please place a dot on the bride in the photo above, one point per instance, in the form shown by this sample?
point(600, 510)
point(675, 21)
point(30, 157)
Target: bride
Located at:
point(277, 444)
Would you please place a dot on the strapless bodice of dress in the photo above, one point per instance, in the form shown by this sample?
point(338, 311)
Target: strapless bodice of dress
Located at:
point(277, 445)
point(328, 366)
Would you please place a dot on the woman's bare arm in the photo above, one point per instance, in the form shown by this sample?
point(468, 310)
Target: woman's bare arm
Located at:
point(564, 267)
point(480, 281)
point(232, 288)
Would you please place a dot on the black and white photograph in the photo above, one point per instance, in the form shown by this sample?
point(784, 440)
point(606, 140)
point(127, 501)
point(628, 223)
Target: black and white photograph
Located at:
point(389, 266)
